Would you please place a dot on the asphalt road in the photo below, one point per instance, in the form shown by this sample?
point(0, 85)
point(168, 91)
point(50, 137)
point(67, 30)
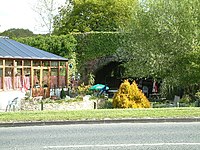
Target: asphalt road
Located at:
point(124, 136)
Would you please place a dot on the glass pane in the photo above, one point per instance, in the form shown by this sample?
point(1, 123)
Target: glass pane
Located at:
point(8, 82)
point(36, 78)
point(9, 71)
point(1, 72)
point(45, 78)
point(62, 77)
point(9, 63)
point(36, 63)
point(1, 77)
point(18, 63)
point(26, 79)
point(62, 71)
point(54, 63)
point(27, 62)
point(54, 78)
point(1, 62)
point(27, 71)
point(46, 63)
point(18, 79)
point(62, 64)
point(18, 72)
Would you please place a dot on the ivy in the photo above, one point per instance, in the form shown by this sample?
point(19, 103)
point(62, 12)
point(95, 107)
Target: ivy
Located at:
point(95, 45)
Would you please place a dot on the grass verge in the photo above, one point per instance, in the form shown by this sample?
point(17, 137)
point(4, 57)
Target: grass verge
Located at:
point(100, 114)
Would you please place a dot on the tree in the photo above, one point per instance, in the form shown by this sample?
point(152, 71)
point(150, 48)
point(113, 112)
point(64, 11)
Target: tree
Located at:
point(16, 33)
point(61, 45)
point(46, 9)
point(93, 15)
point(165, 41)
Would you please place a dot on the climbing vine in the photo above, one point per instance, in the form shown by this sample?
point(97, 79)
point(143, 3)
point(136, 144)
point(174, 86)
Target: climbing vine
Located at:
point(96, 45)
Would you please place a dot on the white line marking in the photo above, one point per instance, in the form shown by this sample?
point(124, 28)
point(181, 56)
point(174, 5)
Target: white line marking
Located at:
point(121, 145)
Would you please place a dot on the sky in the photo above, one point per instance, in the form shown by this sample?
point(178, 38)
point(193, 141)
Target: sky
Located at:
point(20, 14)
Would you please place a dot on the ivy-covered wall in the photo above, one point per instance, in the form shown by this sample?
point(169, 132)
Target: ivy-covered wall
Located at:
point(96, 50)
point(95, 45)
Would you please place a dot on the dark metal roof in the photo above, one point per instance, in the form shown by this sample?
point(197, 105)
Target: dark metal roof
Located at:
point(15, 50)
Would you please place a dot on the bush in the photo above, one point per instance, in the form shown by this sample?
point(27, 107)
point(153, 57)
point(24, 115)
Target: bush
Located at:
point(84, 89)
point(107, 104)
point(130, 96)
point(185, 99)
point(62, 94)
point(197, 95)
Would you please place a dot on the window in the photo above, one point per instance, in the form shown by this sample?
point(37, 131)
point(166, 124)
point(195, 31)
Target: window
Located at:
point(9, 63)
point(62, 78)
point(18, 63)
point(1, 78)
point(54, 63)
point(36, 63)
point(45, 78)
point(46, 63)
point(27, 63)
point(54, 78)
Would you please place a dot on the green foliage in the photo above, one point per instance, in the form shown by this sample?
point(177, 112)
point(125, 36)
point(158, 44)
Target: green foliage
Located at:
point(84, 89)
point(130, 96)
point(62, 94)
point(91, 79)
point(61, 45)
point(93, 15)
point(186, 99)
point(17, 33)
point(107, 104)
point(95, 45)
point(165, 42)
point(197, 95)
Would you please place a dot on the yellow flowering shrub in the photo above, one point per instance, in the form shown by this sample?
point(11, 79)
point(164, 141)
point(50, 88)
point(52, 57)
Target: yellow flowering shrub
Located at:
point(83, 89)
point(130, 96)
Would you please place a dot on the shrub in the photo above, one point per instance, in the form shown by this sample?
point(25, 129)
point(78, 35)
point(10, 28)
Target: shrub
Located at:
point(107, 104)
point(84, 89)
point(62, 94)
point(130, 96)
point(197, 95)
point(185, 99)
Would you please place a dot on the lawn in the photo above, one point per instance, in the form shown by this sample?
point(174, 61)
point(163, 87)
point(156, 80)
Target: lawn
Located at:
point(100, 114)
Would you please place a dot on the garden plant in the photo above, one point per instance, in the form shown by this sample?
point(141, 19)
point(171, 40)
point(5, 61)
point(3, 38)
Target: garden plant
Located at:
point(130, 96)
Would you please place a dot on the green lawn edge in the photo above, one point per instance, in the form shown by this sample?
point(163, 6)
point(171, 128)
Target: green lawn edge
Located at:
point(100, 114)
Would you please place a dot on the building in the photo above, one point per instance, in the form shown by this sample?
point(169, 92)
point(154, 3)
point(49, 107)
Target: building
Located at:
point(27, 69)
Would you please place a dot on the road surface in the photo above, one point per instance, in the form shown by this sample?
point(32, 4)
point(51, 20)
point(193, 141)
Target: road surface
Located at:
point(124, 136)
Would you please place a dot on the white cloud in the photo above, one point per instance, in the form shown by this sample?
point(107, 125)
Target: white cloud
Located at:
point(20, 14)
